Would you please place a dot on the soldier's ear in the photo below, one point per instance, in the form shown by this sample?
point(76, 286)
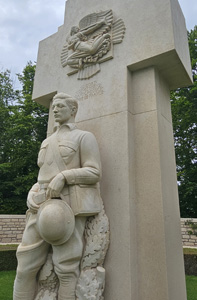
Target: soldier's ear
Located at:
point(74, 110)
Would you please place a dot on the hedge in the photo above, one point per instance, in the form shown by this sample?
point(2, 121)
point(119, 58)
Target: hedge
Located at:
point(190, 264)
point(8, 260)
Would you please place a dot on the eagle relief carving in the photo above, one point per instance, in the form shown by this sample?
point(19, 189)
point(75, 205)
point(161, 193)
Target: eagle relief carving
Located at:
point(91, 43)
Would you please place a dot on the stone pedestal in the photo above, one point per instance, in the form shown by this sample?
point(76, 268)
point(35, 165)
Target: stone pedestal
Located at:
point(127, 106)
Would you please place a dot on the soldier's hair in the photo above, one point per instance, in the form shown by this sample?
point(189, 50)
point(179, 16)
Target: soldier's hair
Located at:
point(70, 101)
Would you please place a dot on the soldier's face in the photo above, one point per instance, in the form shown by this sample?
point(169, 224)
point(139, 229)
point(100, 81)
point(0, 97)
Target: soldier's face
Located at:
point(61, 110)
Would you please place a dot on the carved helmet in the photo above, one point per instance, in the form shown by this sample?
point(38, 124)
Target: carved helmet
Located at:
point(55, 221)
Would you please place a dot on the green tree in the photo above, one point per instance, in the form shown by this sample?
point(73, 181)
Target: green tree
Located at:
point(184, 113)
point(7, 96)
point(23, 129)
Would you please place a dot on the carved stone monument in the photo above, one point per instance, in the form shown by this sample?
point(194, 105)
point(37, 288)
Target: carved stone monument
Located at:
point(54, 261)
point(120, 59)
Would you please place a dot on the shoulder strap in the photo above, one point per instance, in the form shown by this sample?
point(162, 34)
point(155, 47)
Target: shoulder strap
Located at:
point(57, 156)
point(58, 159)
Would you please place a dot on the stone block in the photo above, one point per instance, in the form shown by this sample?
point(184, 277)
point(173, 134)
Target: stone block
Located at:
point(19, 236)
point(189, 244)
point(6, 240)
point(185, 236)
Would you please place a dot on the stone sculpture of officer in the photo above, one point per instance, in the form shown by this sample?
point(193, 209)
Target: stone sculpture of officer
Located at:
point(59, 203)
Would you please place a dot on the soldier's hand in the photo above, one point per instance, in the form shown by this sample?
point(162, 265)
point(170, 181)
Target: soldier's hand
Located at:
point(55, 186)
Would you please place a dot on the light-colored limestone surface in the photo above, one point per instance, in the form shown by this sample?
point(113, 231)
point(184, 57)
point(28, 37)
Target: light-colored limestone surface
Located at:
point(127, 107)
point(66, 236)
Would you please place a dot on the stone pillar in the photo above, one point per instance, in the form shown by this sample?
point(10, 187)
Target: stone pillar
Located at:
point(156, 199)
point(127, 106)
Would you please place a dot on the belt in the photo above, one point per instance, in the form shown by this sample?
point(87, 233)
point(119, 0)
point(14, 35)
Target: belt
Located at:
point(43, 186)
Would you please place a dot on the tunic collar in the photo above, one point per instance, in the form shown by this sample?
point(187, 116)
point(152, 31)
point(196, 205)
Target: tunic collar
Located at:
point(71, 126)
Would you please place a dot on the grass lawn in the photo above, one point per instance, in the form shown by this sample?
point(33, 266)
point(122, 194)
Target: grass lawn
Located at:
point(189, 251)
point(7, 280)
point(191, 282)
point(6, 284)
point(8, 247)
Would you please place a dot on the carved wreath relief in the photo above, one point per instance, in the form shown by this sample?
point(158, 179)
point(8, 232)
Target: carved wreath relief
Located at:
point(91, 43)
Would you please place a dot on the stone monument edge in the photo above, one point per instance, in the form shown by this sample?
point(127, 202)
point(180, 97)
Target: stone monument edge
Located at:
point(175, 73)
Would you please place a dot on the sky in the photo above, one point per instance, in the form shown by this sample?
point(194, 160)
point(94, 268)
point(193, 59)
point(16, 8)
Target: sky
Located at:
point(23, 23)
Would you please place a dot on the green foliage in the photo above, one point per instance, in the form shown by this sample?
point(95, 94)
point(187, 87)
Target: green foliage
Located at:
point(190, 262)
point(23, 125)
point(184, 113)
point(8, 260)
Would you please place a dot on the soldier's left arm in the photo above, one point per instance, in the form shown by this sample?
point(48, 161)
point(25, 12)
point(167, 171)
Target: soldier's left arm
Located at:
point(89, 171)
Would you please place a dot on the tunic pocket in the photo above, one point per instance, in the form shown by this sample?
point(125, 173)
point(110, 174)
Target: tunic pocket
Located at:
point(67, 150)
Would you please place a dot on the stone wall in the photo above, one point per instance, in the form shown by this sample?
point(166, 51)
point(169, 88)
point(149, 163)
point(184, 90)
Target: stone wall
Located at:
point(11, 228)
point(189, 240)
